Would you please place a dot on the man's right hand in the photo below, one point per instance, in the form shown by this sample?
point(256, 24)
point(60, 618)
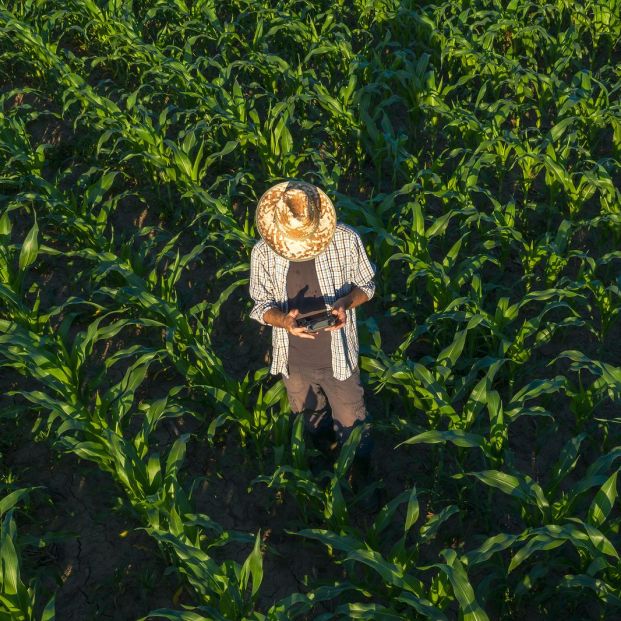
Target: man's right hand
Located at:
point(291, 325)
point(288, 321)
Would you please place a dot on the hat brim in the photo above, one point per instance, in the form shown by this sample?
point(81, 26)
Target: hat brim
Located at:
point(275, 236)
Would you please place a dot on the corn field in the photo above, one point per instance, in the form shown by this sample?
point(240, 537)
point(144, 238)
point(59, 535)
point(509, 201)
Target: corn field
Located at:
point(476, 147)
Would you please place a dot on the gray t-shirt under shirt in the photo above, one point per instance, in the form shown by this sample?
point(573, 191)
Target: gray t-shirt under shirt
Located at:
point(304, 293)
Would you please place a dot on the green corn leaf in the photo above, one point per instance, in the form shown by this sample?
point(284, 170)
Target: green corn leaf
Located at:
point(413, 510)
point(253, 567)
point(551, 536)
point(539, 542)
point(430, 528)
point(343, 543)
point(478, 396)
point(91, 451)
point(452, 254)
point(456, 436)
point(49, 612)
point(10, 296)
point(348, 452)
point(598, 539)
point(96, 191)
point(449, 355)
point(422, 606)
point(298, 446)
point(120, 397)
point(175, 523)
point(470, 608)
point(609, 373)
point(490, 546)
point(274, 394)
point(370, 612)
point(228, 147)
point(204, 521)
point(154, 468)
point(214, 308)
point(9, 562)
point(217, 422)
point(10, 500)
point(176, 456)
point(522, 487)
point(605, 592)
point(297, 604)
point(335, 505)
point(567, 461)
point(387, 512)
point(604, 462)
point(228, 401)
point(30, 247)
point(559, 129)
point(604, 501)
point(5, 224)
point(389, 572)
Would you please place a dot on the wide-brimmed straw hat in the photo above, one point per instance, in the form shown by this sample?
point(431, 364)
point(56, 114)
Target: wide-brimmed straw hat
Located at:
point(296, 219)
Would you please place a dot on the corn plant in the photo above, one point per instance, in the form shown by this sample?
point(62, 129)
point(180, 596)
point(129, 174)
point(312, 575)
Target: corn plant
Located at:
point(322, 495)
point(401, 590)
point(18, 601)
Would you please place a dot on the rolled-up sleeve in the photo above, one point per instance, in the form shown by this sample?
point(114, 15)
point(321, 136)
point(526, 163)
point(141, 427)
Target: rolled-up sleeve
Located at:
point(363, 271)
point(260, 284)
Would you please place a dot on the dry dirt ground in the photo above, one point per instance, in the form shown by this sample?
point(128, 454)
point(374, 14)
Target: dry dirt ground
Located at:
point(94, 558)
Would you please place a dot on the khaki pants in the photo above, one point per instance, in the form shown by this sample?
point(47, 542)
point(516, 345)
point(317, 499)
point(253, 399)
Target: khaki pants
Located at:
point(326, 401)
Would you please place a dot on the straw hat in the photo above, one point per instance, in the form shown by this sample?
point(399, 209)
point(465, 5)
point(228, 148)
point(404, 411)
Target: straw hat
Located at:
point(296, 219)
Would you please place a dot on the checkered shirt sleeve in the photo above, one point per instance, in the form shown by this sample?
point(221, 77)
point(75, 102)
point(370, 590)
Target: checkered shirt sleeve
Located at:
point(261, 283)
point(363, 270)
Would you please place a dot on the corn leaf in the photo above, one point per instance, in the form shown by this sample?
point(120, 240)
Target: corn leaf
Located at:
point(30, 247)
point(604, 501)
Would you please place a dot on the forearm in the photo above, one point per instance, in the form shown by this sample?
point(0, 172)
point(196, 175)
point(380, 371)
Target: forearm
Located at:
point(275, 317)
point(354, 298)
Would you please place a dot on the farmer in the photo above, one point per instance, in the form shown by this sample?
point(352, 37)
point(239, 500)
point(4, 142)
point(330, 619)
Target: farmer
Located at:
point(304, 263)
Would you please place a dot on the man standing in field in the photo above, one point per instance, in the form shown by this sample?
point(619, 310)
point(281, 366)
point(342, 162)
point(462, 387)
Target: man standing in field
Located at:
point(307, 262)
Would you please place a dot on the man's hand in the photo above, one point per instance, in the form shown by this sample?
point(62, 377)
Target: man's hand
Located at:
point(354, 298)
point(290, 324)
point(339, 309)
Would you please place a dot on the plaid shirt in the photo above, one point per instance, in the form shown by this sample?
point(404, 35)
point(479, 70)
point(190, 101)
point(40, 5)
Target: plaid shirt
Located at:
point(341, 266)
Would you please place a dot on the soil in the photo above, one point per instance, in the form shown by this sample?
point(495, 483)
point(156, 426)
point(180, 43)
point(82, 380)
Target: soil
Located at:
point(94, 558)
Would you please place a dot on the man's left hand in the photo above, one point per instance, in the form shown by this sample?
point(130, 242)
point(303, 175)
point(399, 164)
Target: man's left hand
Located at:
point(339, 309)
